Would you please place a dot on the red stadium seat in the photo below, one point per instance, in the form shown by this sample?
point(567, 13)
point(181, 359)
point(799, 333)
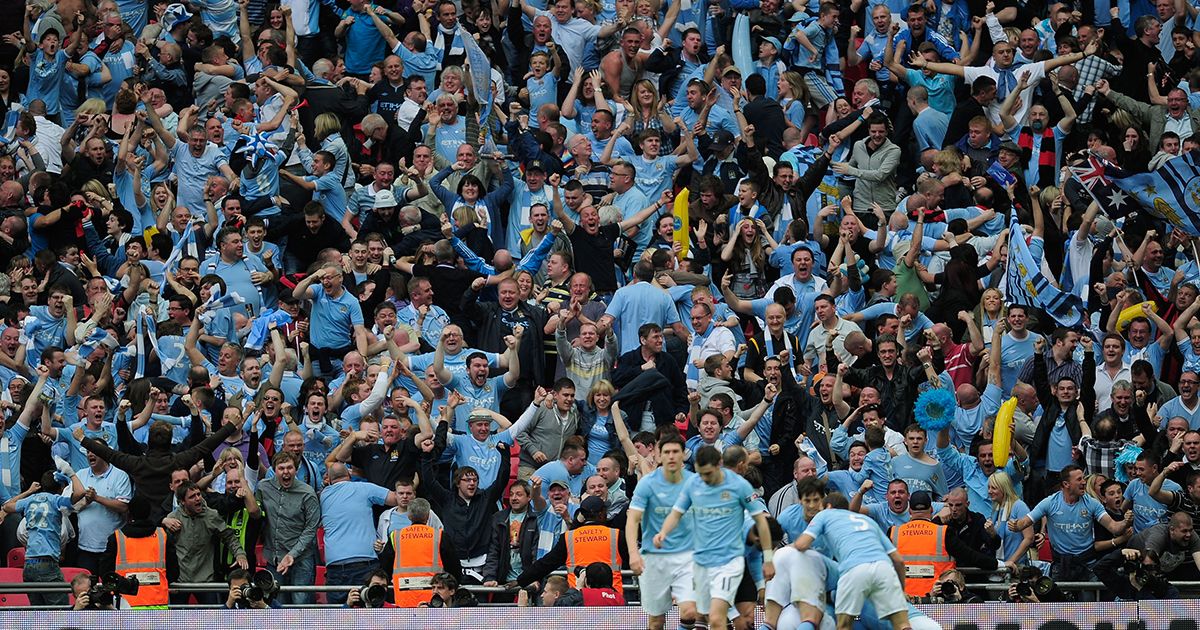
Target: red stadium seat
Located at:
point(16, 558)
point(70, 572)
point(12, 575)
point(320, 581)
point(320, 545)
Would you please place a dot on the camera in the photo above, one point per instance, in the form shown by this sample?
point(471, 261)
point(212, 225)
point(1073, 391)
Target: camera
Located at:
point(1041, 586)
point(373, 596)
point(104, 590)
point(260, 588)
point(949, 589)
point(1149, 576)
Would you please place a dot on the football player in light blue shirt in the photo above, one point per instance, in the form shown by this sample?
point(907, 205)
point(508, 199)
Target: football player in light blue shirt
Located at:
point(1070, 515)
point(854, 541)
point(666, 571)
point(721, 498)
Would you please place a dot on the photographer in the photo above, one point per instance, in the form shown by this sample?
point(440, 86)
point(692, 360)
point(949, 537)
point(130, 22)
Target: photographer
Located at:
point(81, 585)
point(374, 594)
point(448, 594)
point(950, 588)
point(1029, 586)
point(244, 595)
point(1144, 568)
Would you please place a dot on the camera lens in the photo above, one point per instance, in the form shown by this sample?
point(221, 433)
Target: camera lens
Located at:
point(373, 596)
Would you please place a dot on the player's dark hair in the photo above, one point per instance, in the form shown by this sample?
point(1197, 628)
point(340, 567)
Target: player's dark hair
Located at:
point(708, 456)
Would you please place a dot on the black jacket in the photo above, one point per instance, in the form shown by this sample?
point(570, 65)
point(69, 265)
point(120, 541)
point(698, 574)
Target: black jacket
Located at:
point(666, 402)
point(969, 543)
point(466, 522)
point(151, 473)
point(492, 325)
point(897, 393)
point(305, 245)
point(1041, 383)
point(769, 124)
point(796, 412)
point(499, 561)
point(772, 196)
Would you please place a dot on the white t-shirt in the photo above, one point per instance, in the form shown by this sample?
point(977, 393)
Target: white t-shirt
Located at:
point(1036, 72)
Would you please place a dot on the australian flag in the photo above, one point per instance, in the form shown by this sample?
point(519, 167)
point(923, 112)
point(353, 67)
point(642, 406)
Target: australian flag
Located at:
point(1097, 176)
point(1171, 192)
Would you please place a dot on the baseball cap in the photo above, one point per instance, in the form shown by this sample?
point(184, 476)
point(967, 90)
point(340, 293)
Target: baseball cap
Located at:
point(535, 165)
point(721, 140)
point(559, 482)
point(774, 41)
point(479, 415)
point(385, 199)
point(593, 505)
point(920, 500)
point(1009, 145)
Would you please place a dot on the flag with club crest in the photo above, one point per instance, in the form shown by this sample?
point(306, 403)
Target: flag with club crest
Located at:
point(1171, 192)
point(1027, 285)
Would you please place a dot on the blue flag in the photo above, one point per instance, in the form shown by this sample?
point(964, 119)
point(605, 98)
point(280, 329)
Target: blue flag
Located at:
point(1027, 285)
point(1171, 193)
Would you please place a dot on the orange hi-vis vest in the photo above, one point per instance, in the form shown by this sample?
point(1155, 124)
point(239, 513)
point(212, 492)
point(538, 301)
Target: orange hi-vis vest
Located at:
point(922, 545)
point(145, 558)
point(418, 559)
point(593, 543)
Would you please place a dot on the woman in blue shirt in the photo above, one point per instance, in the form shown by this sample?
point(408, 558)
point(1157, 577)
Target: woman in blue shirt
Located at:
point(596, 422)
point(792, 95)
point(328, 130)
point(1007, 505)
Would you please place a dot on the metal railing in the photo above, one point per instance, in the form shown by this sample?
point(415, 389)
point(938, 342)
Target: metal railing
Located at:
point(997, 587)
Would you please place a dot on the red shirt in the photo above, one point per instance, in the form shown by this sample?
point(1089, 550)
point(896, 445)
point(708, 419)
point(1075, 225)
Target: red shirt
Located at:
point(602, 597)
point(960, 362)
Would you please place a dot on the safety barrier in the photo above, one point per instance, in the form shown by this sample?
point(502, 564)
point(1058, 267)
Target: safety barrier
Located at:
point(1172, 615)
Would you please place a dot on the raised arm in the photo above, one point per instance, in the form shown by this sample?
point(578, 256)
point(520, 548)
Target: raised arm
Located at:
point(167, 137)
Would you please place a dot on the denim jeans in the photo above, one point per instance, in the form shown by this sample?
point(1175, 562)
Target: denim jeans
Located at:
point(302, 573)
point(351, 573)
point(43, 570)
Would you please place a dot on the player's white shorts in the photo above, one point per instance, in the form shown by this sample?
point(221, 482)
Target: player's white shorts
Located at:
point(799, 577)
point(789, 619)
point(719, 582)
point(924, 623)
point(666, 576)
point(876, 581)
